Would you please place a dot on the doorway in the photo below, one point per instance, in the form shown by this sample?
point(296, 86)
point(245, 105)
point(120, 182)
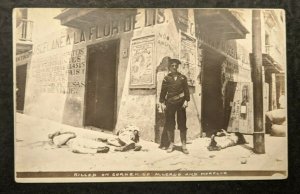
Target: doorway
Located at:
point(21, 73)
point(212, 101)
point(101, 97)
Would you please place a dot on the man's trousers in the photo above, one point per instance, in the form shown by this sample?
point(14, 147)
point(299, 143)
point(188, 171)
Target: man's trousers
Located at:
point(171, 110)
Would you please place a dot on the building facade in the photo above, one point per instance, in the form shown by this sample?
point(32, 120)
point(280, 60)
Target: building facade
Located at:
point(24, 45)
point(103, 68)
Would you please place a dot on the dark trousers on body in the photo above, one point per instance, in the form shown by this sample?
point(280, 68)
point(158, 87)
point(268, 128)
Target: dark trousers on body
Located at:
point(171, 110)
point(170, 113)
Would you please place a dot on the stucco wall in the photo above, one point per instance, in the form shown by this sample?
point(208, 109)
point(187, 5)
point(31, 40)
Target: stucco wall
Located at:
point(57, 76)
point(137, 106)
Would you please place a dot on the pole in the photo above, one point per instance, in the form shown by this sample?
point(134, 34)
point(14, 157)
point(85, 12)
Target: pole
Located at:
point(259, 134)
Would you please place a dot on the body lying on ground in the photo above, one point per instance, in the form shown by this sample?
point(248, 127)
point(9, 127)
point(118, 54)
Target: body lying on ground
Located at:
point(223, 139)
point(77, 144)
point(125, 140)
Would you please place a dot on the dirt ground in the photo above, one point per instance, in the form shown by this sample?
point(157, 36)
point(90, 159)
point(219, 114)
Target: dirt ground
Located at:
point(34, 154)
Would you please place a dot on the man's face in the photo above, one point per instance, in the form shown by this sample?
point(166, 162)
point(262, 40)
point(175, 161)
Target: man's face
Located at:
point(173, 67)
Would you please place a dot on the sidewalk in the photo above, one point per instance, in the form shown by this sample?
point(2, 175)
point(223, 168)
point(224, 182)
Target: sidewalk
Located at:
point(32, 153)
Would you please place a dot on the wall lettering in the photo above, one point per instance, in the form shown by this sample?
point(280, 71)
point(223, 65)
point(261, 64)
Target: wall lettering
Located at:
point(113, 27)
point(61, 73)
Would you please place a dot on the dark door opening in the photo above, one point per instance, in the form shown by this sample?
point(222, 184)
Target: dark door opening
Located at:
point(229, 98)
point(101, 88)
point(21, 84)
point(212, 101)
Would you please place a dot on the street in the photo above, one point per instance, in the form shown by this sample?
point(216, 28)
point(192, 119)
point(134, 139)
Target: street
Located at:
point(33, 153)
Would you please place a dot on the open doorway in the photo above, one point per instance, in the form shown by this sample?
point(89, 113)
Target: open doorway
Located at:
point(21, 72)
point(100, 97)
point(212, 101)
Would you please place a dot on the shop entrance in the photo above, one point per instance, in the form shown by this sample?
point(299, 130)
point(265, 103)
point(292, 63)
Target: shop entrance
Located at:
point(21, 83)
point(212, 101)
point(100, 99)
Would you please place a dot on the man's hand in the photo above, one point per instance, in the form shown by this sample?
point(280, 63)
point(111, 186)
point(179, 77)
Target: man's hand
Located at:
point(161, 107)
point(185, 104)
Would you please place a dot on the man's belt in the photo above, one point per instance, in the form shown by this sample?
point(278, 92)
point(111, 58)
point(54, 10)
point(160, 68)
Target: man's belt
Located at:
point(177, 97)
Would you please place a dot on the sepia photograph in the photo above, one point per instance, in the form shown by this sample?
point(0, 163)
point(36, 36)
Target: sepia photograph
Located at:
point(149, 94)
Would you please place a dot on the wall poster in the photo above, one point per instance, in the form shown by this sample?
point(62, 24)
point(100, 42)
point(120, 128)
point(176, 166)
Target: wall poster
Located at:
point(241, 115)
point(142, 64)
point(188, 57)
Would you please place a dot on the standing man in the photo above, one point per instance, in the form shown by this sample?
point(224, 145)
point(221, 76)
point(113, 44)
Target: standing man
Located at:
point(174, 99)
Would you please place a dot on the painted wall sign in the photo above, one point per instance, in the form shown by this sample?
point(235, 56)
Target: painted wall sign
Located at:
point(141, 19)
point(23, 58)
point(108, 28)
point(56, 80)
point(59, 72)
point(142, 64)
point(188, 57)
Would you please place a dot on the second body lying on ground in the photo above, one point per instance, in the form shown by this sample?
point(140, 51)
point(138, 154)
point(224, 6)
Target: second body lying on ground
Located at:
point(125, 140)
point(222, 140)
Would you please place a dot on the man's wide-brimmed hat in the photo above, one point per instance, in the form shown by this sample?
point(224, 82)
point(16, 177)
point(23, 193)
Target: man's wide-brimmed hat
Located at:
point(171, 61)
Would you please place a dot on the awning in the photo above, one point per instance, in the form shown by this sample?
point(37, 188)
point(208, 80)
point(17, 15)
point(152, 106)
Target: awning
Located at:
point(219, 23)
point(270, 64)
point(23, 46)
point(78, 18)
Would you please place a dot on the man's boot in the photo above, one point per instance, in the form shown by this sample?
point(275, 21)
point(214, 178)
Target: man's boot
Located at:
point(183, 141)
point(171, 139)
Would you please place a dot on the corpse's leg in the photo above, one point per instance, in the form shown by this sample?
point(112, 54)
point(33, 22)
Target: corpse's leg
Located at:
point(126, 147)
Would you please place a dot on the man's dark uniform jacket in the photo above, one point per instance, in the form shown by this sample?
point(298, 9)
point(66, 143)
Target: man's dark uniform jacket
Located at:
point(175, 90)
point(173, 94)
